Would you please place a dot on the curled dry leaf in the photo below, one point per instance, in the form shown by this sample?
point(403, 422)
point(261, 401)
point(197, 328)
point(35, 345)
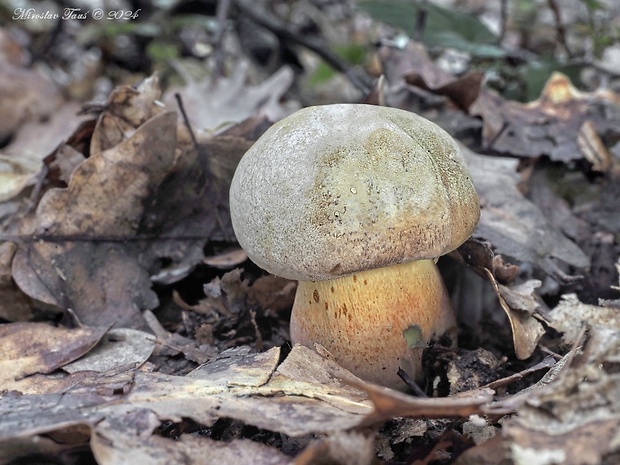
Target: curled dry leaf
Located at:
point(519, 303)
point(227, 259)
point(126, 109)
point(412, 66)
point(563, 123)
point(146, 193)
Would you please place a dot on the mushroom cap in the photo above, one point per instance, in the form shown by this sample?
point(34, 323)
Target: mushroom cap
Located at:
point(335, 189)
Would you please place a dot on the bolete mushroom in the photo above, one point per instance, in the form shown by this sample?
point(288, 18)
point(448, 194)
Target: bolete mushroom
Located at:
point(356, 202)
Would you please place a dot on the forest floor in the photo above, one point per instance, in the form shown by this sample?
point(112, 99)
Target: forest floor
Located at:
point(135, 330)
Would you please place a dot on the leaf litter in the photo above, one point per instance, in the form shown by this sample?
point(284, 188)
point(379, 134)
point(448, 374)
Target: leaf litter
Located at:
point(173, 346)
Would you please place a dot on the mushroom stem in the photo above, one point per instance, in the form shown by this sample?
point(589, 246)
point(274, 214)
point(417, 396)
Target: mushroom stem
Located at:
point(375, 321)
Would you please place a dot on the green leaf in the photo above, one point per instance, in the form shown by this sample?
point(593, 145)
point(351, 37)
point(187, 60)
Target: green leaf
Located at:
point(353, 54)
point(443, 28)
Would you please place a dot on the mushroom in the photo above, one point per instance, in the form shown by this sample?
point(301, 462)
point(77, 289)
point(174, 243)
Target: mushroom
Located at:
point(357, 202)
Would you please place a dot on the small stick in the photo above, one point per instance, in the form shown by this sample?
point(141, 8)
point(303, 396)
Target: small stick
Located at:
point(417, 390)
point(282, 30)
point(221, 15)
point(559, 25)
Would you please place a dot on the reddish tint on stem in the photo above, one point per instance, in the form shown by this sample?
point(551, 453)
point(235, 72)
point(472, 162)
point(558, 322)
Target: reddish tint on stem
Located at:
point(375, 321)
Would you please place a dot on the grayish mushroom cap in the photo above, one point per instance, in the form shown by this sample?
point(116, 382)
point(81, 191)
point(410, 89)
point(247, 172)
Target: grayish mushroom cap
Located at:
point(335, 189)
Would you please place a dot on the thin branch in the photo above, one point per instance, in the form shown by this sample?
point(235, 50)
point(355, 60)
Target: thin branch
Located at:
point(284, 31)
point(221, 15)
point(179, 99)
point(547, 362)
point(559, 25)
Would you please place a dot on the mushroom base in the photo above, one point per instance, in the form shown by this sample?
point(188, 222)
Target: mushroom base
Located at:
point(377, 321)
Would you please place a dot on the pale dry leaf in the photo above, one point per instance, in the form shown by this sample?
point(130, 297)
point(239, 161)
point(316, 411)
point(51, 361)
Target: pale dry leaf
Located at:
point(572, 415)
point(15, 175)
point(239, 367)
point(235, 389)
point(120, 349)
point(219, 101)
point(35, 140)
point(66, 160)
point(570, 316)
point(577, 421)
point(29, 348)
point(126, 109)
point(130, 440)
point(511, 223)
point(526, 330)
point(25, 95)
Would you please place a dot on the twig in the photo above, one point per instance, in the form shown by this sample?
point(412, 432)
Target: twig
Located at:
point(559, 25)
point(420, 24)
point(177, 96)
point(283, 31)
point(417, 390)
point(221, 15)
point(548, 362)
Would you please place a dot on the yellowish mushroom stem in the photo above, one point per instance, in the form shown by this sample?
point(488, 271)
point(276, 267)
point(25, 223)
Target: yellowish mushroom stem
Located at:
point(375, 321)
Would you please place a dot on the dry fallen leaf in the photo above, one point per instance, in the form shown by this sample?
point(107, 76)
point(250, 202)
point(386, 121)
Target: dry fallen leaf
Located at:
point(511, 223)
point(25, 95)
point(146, 194)
point(15, 175)
point(220, 101)
point(519, 304)
point(85, 264)
point(29, 348)
point(563, 123)
point(238, 385)
point(119, 349)
point(572, 415)
point(411, 66)
point(128, 441)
